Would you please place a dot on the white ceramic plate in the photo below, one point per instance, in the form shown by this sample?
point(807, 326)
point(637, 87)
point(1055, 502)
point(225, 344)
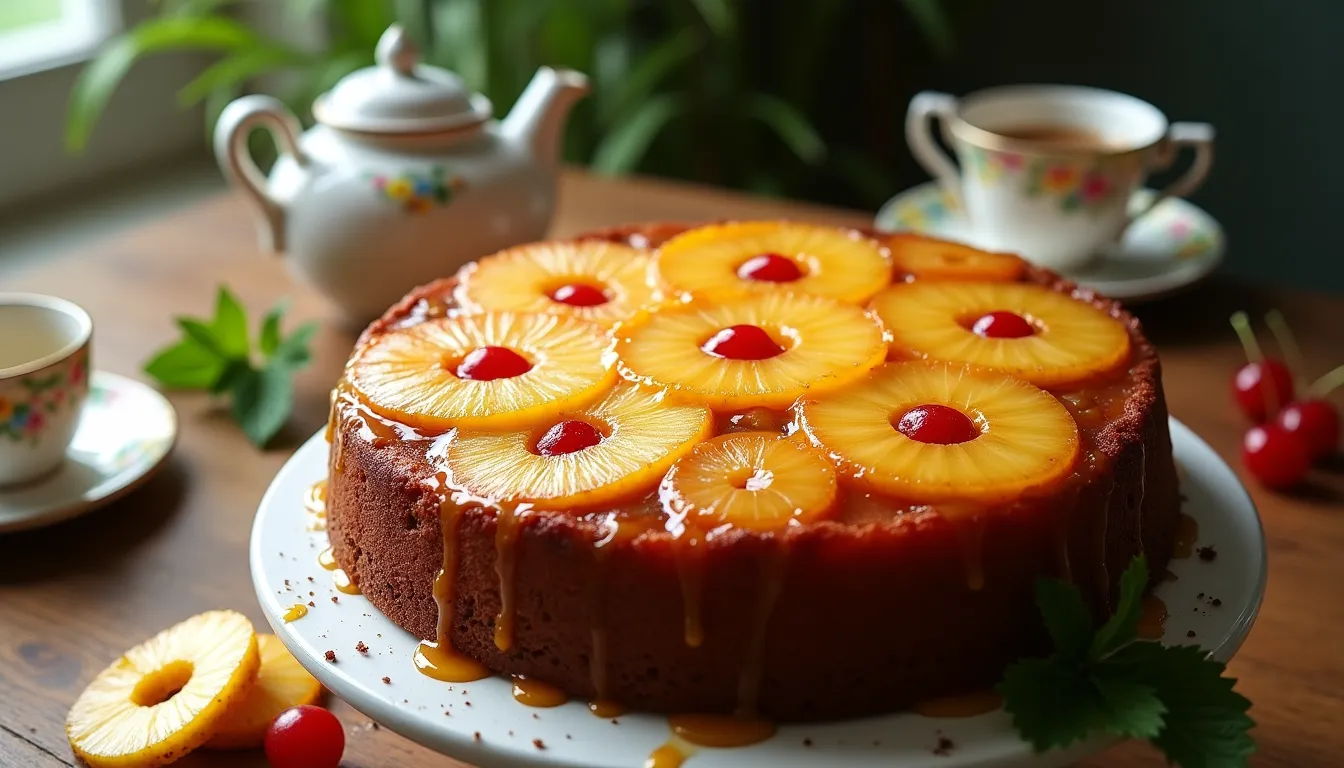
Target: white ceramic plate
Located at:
point(125, 433)
point(284, 559)
point(1168, 249)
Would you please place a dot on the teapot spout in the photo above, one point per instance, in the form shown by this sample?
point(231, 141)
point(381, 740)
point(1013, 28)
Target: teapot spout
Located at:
point(537, 120)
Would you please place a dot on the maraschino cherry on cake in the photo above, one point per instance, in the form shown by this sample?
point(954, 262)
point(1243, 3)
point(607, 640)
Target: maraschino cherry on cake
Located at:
point(765, 468)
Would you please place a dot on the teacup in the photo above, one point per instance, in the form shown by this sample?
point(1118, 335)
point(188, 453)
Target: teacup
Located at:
point(1047, 171)
point(44, 379)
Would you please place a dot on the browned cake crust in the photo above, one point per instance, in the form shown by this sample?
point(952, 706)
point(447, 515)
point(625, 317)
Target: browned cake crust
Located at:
point(857, 618)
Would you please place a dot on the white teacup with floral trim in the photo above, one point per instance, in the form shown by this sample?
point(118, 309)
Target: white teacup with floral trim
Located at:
point(44, 378)
point(1047, 171)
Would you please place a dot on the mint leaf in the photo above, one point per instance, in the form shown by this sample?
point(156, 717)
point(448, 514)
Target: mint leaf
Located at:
point(185, 365)
point(1066, 617)
point(204, 336)
point(1133, 710)
point(270, 330)
point(230, 325)
point(1051, 701)
point(1124, 623)
point(293, 351)
point(229, 377)
point(262, 401)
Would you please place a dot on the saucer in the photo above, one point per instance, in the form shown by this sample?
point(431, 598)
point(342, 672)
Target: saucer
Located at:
point(1168, 249)
point(126, 431)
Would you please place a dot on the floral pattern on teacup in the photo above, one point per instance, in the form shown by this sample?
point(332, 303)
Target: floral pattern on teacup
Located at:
point(28, 404)
point(925, 211)
point(1084, 184)
point(417, 192)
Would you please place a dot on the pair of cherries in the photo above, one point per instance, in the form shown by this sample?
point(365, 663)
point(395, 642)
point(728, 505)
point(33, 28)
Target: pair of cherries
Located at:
point(1289, 432)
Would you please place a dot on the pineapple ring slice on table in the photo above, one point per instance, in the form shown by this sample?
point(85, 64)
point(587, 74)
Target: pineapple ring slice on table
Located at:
point(583, 457)
point(589, 279)
point(1062, 342)
point(928, 258)
point(990, 437)
point(822, 344)
point(415, 375)
point(166, 696)
point(720, 260)
point(281, 683)
point(755, 480)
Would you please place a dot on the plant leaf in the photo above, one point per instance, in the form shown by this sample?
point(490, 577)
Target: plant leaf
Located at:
point(185, 365)
point(269, 339)
point(293, 351)
point(236, 69)
point(262, 401)
point(718, 16)
point(626, 144)
point(230, 325)
point(1066, 618)
point(790, 125)
point(934, 24)
point(233, 370)
point(363, 21)
point(1121, 628)
point(203, 335)
point(1051, 701)
point(1132, 709)
point(640, 82)
point(100, 78)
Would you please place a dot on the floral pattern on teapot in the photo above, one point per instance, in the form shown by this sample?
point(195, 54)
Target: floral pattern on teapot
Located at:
point(418, 192)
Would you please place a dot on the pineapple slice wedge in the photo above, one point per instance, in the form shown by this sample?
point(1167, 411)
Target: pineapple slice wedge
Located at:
point(754, 480)
point(410, 374)
point(1022, 437)
point(715, 261)
point(825, 344)
point(640, 436)
point(1071, 342)
point(281, 683)
point(590, 279)
point(166, 696)
point(927, 258)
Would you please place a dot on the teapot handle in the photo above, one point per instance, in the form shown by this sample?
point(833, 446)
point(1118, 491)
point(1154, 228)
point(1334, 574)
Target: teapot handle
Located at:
point(235, 124)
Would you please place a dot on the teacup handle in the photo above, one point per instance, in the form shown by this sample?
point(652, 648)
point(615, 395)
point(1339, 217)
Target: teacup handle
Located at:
point(1196, 136)
point(919, 117)
point(235, 124)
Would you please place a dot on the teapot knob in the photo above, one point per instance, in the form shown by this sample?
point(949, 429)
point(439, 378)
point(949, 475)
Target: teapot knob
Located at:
point(396, 50)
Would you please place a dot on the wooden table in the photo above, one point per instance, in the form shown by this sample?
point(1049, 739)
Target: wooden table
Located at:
point(74, 596)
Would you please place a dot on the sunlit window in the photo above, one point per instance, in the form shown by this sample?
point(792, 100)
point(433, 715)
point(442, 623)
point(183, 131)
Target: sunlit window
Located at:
point(39, 34)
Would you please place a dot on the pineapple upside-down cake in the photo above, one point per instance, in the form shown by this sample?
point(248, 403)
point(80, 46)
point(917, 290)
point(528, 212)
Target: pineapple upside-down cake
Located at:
point(752, 467)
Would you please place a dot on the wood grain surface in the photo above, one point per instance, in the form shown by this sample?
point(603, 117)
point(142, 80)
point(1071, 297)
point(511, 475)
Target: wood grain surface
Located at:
point(72, 597)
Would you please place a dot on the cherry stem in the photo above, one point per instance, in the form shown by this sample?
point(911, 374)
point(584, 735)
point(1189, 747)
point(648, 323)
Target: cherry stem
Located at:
point(1327, 383)
point(1292, 354)
point(1241, 323)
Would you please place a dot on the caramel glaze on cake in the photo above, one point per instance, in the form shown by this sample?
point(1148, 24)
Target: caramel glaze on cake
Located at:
point(883, 606)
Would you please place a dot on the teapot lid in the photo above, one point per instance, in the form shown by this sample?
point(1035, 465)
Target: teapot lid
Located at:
point(400, 95)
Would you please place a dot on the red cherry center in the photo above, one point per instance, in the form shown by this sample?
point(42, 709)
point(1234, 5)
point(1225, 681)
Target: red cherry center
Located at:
point(490, 363)
point(1315, 422)
point(742, 342)
point(1262, 388)
point(568, 437)
point(1002, 325)
point(937, 424)
point(770, 268)
point(305, 737)
point(579, 295)
point(1277, 457)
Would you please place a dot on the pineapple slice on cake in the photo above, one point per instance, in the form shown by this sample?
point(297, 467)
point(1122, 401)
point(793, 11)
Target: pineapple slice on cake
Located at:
point(590, 279)
point(281, 683)
point(737, 258)
point(764, 350)
point(1029, 331)
point(928, 431)
point(755, 480)
point(928, 258)
point(166, 696)
point(581, 457)
point(495, 369)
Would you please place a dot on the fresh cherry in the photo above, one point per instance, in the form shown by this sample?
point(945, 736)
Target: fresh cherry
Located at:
point(579, 295)
point(1262, 387)
point(305, 737)
point(937, 424)
point(568, 437)
point(742, 342)
point(490, 363)
point(1277, 458)
point(770, 268)
point(1313, 422)
point(1002, 325)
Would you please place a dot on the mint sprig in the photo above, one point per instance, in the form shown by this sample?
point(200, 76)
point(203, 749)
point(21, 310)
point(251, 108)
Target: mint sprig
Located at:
point(216, 355)
point(1107, 680)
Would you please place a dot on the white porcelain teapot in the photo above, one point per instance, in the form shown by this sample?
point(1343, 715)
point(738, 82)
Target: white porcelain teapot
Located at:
point(404, 178)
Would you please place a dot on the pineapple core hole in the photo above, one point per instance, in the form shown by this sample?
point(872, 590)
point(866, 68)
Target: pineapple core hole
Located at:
point(162, 684)
point(748, 479)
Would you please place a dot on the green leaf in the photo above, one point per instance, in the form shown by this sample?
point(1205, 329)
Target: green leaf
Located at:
point(934, 24)
point(215, 102)
point(236, 69)
point(462, 42)
point(1066, 618)
point(1133, 710)
point(262, 401)
point(233, 371)
point(1051, 701)
point(790, 125)
point(293, 351)
point(639, 83)
point(1120, 629)
point(230, 325)
point(185, 365)
point(269, 339)
point(718, 16)
point(203, 335)
point(364, 21)
point(100, 78)
point(625, 145)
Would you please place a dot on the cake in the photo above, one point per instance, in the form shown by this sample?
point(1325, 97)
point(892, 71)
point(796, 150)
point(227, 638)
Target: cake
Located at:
point(762, 468)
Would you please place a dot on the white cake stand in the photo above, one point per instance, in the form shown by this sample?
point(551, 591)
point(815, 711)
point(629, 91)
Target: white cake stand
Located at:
point(480, 723)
